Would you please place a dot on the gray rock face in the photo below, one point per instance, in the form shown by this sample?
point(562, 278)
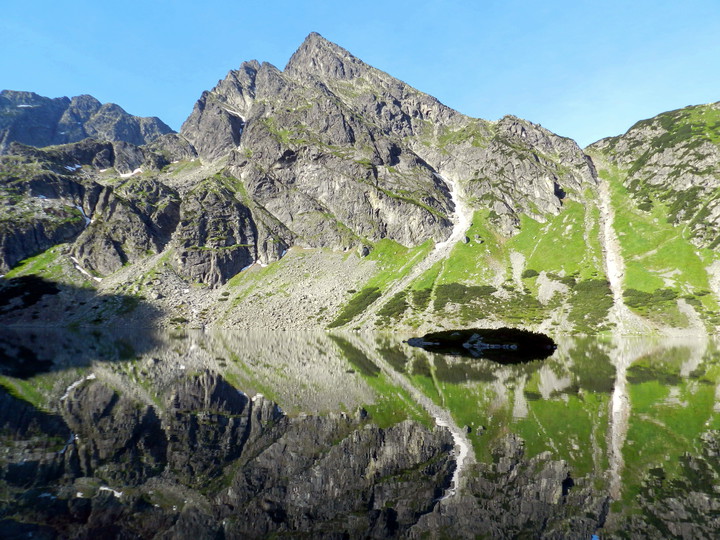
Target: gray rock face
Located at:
point(216, 236)
point(173, 147)
point(48, 198)
point(317, 168)
point(40, 226)
point(28, 118)
point(333, 140)
point(127, 224)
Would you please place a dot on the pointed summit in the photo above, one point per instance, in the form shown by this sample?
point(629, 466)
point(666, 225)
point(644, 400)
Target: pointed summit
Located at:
point(322, 58)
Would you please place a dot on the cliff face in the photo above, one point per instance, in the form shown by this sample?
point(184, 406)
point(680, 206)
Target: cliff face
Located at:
point(53, 196)
point(332, 136)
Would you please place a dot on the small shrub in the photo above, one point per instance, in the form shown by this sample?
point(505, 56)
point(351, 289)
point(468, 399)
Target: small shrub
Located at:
point(395, 307)
point(421, 299)
point(356, 305)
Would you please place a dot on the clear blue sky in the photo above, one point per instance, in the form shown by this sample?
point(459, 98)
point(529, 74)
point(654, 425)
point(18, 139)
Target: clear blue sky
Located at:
point(584, 69)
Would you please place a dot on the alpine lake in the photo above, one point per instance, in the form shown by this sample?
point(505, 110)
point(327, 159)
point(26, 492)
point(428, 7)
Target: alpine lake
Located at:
point(222, 434)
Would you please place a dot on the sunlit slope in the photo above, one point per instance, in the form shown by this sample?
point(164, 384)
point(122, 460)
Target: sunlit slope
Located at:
point(664, 176)
point(550, 275)
point(668, 279)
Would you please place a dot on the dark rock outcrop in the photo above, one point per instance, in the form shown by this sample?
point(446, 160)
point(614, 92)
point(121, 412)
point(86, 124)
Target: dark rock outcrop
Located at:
point(128, 223)
point(216, 235)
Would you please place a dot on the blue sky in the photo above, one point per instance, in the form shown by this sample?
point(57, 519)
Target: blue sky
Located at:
point(584, 69)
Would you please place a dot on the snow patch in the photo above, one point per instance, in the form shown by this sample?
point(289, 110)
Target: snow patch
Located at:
point(88, 221)
point(117, 494)
point(76, 384)
point(128, 175)
point(83, 271)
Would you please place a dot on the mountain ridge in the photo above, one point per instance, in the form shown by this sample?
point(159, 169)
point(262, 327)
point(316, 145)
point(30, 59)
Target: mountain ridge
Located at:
point(29, 118)
point(334, 162)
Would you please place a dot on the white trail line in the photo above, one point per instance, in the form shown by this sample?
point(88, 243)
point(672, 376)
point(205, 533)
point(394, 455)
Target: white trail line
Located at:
point(464, 454)
point(619, 418)
point(116, 493)
point(461, 219)
point(620, 314)
point(76, 384)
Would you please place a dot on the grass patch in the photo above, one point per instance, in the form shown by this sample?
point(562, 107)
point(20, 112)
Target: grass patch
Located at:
point(660, 260)
point(46, 264)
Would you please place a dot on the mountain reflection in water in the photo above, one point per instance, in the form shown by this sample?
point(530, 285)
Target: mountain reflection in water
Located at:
point(253, 434)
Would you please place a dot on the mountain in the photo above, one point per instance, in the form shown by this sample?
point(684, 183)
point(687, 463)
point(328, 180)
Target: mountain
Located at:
point(331, 194)
point(28, 118)
point(662, 177)
point(673, 160)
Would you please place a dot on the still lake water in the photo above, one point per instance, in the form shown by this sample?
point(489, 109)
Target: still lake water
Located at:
point(634, 418)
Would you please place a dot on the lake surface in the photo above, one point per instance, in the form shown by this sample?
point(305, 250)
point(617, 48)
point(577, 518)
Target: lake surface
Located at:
point(223, 434)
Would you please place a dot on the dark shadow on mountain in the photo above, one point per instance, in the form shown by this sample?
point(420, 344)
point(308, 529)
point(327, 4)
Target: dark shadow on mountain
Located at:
point(46, 326)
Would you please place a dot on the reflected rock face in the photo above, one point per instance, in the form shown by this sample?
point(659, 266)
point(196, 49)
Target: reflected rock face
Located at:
point(502, 345)
point(208, 456)
point(157, 441)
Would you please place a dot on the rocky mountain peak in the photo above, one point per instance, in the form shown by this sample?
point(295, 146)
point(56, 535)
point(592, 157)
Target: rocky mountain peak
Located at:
point(322, 58)
point(85, 101)
point(34, 120)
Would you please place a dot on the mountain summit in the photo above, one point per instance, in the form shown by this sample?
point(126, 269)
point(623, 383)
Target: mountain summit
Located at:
point(320, 57)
